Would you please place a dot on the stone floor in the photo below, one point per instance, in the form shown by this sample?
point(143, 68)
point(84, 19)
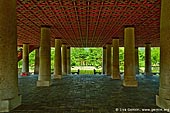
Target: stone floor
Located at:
point(88, 94)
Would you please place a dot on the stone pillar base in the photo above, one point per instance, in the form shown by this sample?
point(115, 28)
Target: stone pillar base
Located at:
point(162, 102)
point(64, 73)
point(57, 76)
point(130, 83)
point(43, 83)
point(7, 105)
point(148, 74)
point(115, 78)
point(25, 74)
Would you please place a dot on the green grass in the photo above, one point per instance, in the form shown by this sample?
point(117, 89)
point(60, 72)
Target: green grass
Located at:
point(86, 71)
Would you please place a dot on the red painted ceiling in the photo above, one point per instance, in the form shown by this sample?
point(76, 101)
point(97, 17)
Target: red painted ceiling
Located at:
point(88, 23)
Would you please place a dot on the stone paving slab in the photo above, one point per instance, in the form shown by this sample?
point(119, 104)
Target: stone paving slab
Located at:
point(88, 94)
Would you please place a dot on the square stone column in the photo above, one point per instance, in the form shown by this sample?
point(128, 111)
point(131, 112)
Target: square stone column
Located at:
point(129, 66)
point(136, 60)
point(64, 59)
point(68, 61)
point(108, 59)
point(57, 60)
point(148, 66)
point(44, 78)
point(163, 98)
point(104, 61)
point(115, 67)
point(25, 62)
point(9, 95)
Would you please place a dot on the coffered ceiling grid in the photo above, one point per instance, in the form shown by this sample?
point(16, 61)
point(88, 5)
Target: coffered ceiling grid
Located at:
point(88, 23)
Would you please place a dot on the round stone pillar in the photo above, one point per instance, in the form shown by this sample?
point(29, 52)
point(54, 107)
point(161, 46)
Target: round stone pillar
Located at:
point(64, 59)
point(68, 61)
point(163, 99)
point(44, 77)
point(36, 67)
point(57, 60)
point(25, 62)
point(104, 61)
point(115, 69)
point(108, 59)
point(136, 60)
point(129, 66)
point(148, 66)
point(9, 96)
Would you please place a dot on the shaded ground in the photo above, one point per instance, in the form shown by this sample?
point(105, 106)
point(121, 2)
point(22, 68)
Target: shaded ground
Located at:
point(87, 94)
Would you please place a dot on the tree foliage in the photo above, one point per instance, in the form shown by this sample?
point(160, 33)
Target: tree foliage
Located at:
point(93, 57)
point(155, 56)
point(141, 54)
point(86, 57)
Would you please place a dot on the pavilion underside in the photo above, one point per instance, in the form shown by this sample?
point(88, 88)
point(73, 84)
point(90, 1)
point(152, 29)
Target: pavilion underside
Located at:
point(88, 23)
point(38, 25)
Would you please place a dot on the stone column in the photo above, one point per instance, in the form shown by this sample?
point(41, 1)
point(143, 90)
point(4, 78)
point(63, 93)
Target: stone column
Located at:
point(57, 60)
point(44, 77)
point(25, 62)
point(68, 61)
point(36, 66)
point(115, 69)
point(108, 59)
point(136, 60)
point(163, 99)
point(64, 59)
point(129, 66)
point(148, 59)
point(104, 61)
point(9, 96)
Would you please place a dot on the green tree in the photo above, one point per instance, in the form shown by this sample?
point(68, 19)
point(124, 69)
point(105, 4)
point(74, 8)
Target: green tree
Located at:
point(93, 57)
point(155, 53)
point(121, 58)
point(86, 56)
point(141, 53)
